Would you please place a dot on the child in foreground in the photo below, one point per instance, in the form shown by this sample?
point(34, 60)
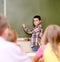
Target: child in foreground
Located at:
point(51, 39)
point(12, 36)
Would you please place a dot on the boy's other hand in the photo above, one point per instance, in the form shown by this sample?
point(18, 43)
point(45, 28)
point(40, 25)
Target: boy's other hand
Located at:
point(23, 25)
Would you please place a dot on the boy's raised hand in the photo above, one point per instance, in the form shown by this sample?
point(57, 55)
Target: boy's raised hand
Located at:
point(24, 25)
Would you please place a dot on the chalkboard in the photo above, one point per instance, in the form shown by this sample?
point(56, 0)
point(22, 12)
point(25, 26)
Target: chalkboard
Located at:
point(50, 12)
point(22, 11)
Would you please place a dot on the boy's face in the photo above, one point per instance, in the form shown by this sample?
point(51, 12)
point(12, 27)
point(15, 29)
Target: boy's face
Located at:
point(36, 21)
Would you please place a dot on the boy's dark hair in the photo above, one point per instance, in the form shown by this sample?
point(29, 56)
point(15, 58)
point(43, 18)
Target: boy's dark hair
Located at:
point(37, 16)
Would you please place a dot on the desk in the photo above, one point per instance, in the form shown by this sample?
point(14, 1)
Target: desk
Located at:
point(25, 45)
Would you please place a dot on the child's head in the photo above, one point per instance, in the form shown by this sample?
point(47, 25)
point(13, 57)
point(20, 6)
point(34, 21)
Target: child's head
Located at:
point(37, 20)
point(12, 36)
point(4, 26)
point(52, 35)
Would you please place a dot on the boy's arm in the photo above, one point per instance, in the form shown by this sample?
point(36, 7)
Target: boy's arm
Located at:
point(29, 31)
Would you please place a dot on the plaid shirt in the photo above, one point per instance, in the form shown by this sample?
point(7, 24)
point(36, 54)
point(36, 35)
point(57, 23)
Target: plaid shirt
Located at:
point(36, 34)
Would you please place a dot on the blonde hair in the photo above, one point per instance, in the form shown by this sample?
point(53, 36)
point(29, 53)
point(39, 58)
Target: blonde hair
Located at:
point(52, 35)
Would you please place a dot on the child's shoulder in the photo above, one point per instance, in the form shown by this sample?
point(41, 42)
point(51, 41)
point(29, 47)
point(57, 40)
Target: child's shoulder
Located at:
point(40, 25)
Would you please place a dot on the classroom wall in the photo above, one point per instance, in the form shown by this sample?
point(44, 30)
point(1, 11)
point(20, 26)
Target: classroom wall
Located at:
point(1, 6)
point(23, 11)
point(50, 12)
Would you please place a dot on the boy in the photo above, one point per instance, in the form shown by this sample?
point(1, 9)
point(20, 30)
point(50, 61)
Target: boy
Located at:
point(36, 32)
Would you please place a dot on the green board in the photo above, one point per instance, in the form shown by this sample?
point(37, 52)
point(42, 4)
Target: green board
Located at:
point(50, 12)
point(23, 11)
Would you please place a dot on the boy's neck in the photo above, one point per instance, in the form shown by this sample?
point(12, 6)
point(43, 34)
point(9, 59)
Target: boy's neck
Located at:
point(37, 25)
